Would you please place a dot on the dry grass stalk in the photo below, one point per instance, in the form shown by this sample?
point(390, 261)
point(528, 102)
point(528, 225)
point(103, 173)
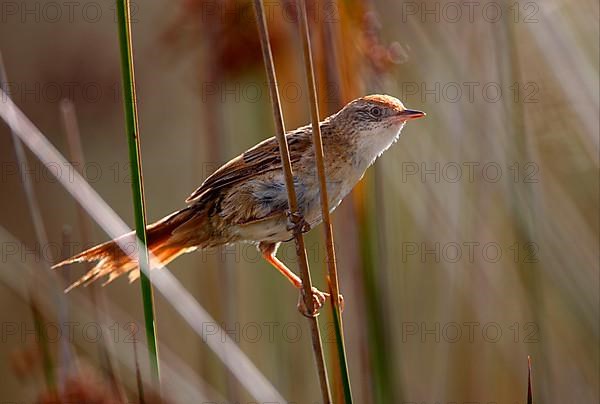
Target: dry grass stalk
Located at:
point(320, 164)
point(292, 200)
point(97, 296)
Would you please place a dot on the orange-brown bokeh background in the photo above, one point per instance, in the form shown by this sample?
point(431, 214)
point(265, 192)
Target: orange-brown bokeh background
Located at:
point(472, 244)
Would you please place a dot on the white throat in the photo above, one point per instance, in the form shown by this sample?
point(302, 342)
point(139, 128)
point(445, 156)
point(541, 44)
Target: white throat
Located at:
point(373, 145)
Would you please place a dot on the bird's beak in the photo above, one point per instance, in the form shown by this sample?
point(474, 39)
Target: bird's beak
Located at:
point(408, 114)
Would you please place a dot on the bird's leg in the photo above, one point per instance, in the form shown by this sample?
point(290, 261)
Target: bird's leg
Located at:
point(268, 251)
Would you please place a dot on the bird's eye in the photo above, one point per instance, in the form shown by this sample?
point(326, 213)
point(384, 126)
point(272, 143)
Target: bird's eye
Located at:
point(376, 112)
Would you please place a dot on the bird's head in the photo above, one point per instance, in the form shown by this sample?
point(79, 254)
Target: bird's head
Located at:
point(375, 112)
point(373, 122)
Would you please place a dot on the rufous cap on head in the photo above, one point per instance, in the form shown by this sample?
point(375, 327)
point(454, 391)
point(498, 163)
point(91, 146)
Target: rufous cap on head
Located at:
point(384, 100)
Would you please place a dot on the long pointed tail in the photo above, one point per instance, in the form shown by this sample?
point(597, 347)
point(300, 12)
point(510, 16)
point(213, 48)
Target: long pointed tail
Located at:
point(164, 243)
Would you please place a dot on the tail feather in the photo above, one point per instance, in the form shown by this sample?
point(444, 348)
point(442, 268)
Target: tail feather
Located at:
point(113, 262)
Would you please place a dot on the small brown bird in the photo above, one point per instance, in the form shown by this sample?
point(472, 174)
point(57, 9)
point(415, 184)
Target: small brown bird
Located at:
point(246, 199)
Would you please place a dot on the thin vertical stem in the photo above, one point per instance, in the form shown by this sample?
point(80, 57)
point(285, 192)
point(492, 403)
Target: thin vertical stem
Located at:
point(138, 375)
point(529, 387)
point(97, 296)
point(65, 347)
point(71, 127)
point(137, 184)
point(34, 207)
point(39, 324)
point(292, 200)
point(320, 164)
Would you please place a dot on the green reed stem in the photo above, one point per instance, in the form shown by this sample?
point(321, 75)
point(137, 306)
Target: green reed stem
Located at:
point(320, 164)
point(137, 184)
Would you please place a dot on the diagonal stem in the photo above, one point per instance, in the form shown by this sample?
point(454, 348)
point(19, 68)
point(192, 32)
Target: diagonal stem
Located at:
point(292, 200)
point(257, 385)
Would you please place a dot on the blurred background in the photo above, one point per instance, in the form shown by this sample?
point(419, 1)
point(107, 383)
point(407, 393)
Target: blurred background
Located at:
point(472, 243)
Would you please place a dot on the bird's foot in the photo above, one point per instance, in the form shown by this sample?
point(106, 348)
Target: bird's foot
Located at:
point(319, 299)
point(296, 222)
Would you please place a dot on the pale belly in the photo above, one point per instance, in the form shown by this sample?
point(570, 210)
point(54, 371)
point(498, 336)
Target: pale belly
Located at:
point(274, 226)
